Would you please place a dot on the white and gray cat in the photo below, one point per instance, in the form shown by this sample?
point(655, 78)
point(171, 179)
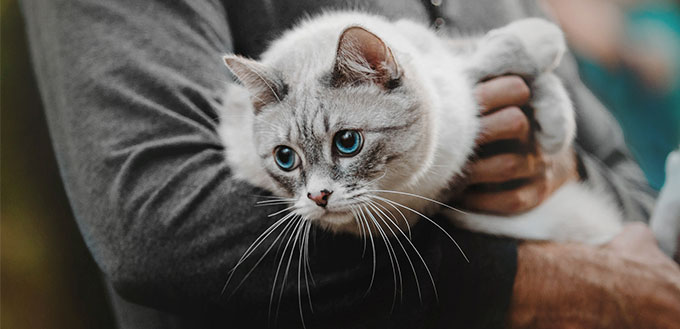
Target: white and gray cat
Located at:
point(361, 124)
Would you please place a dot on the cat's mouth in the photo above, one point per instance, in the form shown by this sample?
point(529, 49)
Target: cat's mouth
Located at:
point(332, 216)
point(336, 216)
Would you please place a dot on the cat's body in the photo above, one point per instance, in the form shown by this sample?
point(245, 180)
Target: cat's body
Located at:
point(406, 95)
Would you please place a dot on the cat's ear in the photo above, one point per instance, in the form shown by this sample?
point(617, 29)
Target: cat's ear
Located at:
point(263, 83)
point(363, 57)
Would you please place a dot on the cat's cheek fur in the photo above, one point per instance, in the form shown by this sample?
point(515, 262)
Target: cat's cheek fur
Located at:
point(236, 133)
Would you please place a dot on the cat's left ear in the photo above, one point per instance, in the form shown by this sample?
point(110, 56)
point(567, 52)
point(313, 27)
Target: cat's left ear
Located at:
point(263, 83)
point(363, 57)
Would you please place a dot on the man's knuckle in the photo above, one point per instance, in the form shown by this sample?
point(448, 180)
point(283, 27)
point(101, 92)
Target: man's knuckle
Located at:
point(516, 202)
point(517, 165)
point(511, 165)
point(482, 93)
point(518, 124)
point(519, 86)
point(540, 165)
point(541, 187)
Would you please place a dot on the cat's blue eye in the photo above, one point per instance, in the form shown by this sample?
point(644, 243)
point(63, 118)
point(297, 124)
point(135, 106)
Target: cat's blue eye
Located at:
point(348, 142)
point(286, 158)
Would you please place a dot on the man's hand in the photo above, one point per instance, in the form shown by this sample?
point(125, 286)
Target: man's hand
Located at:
point(516, 176)
point(628, 283)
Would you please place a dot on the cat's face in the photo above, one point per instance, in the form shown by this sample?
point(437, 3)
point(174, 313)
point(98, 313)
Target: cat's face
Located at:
point(330, 149)
point(331, 143)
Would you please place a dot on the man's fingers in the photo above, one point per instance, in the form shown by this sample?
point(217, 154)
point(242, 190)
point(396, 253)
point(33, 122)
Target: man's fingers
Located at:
point(501, 92)
point(508, 202)
point(508, 123)
point(505, 167)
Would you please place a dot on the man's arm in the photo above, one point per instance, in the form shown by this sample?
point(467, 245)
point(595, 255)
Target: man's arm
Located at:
point(629, 283)
point(130, 90)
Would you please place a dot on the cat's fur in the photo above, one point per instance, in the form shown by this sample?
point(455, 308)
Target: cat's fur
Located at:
point(410, 92)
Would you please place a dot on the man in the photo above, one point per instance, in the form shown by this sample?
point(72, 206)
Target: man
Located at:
point(131, 91)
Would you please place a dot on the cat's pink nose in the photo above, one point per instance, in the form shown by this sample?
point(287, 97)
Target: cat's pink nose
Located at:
point(321, 198)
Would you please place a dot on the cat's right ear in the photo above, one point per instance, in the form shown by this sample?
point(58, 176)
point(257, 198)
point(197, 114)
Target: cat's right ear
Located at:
point(363, 57)
point(263, 83)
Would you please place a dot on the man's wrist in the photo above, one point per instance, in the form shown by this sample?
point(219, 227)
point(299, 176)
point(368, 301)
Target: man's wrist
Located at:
point(559, 285)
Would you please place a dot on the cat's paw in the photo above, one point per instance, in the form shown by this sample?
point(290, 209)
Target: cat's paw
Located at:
point(541, 39)
point(553, 112)
point(501, 54)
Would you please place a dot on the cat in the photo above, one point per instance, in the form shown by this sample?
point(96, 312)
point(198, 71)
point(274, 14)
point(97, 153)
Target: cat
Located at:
point(360, 124)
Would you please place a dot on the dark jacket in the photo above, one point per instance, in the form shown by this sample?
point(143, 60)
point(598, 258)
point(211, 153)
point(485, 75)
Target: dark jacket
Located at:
point(131, 90)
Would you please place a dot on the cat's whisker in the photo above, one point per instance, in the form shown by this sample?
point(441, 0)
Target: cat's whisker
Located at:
point(296, 239)
point(299, 270)
point(274, 203)
point(391, 255)
point(408, 227)
point(307, 265)
point(429, 220)
point(253, 247)
point(262, 237)
point(422, 198)
point(264, 202)
point(427, 268)
point(281, 211)
point(377, 179)
point(385, 221)
point(408, 239)
point(278, 267)
point(275, 200)
point(271, 197)
point(362, 233)
point(370, 235)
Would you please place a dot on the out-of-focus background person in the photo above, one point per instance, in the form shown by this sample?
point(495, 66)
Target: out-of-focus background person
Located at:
point(629, 54)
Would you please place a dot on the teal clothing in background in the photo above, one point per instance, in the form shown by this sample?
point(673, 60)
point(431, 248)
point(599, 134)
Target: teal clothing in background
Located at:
point(650, 118)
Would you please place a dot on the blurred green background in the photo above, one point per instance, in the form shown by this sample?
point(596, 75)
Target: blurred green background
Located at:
point(48, 278)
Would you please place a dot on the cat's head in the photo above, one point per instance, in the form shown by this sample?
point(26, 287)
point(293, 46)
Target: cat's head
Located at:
point(331, 139)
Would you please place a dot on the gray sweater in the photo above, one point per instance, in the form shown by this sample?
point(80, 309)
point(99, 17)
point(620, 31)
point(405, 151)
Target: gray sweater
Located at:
point(131, 90)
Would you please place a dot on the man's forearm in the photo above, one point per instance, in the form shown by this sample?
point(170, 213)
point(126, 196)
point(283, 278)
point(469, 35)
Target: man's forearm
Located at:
point(626, 284)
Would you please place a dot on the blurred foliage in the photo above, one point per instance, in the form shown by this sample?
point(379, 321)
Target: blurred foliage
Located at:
point(48, 278)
